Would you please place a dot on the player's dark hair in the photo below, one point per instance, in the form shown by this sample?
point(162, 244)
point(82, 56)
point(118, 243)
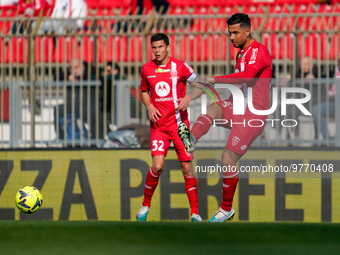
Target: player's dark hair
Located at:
point(239, 18)
point(160, 37)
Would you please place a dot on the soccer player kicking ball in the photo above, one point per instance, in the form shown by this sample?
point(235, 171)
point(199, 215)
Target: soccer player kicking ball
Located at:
point(253, 69)
point(163, 87)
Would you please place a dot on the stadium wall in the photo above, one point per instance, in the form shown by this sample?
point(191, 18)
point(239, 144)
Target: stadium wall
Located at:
point(108, 185)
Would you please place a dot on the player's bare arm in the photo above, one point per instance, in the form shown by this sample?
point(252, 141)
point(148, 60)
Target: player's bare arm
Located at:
point(197, 92)
point(154, 114)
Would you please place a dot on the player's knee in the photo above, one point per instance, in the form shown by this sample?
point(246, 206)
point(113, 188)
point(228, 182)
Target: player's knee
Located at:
point(214, 111)
point(186, 171)
point(157, 168)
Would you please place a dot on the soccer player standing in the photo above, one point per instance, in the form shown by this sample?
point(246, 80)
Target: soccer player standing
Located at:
point(163, 86)
point(253, 69)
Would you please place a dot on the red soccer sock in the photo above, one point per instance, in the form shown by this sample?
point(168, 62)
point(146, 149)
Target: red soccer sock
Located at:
point(191, 190)
point(150, 185)
point(201, 126)
point(230, 181)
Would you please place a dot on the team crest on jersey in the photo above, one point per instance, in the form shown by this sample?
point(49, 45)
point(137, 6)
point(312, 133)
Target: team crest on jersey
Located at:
point(243, 60)
point(253, 56)
point(235, 140)
point(162, 89)
point(173, 74)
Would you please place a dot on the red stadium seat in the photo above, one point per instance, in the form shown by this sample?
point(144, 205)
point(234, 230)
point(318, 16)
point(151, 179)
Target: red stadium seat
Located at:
point(133, 49)
point(198, 48)
point(70, 47)
point(116, 3)
point(122, 49)
point(17, 50)
point(280, 46)
point(115, 49)
point(309, 46)
point(6, 25)
point(108, 4)
point(334, 47)
point(183, 3)
point(44, 49)
point(61, 53)
point(4, 105)
point(295, 1)
point(2, 51)
point(87, 50)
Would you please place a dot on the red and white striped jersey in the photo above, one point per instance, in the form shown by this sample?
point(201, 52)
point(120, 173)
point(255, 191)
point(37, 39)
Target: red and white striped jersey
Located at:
point(166, 84)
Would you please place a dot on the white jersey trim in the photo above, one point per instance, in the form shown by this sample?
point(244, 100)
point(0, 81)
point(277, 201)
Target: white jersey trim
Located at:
point(174, 92)
point(244, 85)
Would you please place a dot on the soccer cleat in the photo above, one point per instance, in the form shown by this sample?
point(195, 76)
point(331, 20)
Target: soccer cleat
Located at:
point(196, 218)
point(222, 215)
point(186, 137)
point(142, 213)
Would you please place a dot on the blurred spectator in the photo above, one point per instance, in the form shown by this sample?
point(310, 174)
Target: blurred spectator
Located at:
point(307, 70)
point(320, 111)
point(148, 5)
point(27, 8)
point(76, 72)
point(138, 7)
point(68, 15)
point(109, 73)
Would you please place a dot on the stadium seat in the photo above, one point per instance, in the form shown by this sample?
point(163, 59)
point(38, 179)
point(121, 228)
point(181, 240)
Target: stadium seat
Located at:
point(2, 51)
point(87, 50)
point(281, 2)
point(44, 49)
point(108, 4)
point(334, 47)
point(183, 3)
point(4, 101)
point(116, 3)
point(17, 50)
point(134, 52)
point(6, 25)
point(115, 49)
point(276, 44)
point(60, 53)
point(122, 49)
point(309, 46)
point(71, 47)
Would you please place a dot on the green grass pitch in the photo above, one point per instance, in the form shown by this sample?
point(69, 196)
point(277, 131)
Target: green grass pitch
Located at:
point(105, 237)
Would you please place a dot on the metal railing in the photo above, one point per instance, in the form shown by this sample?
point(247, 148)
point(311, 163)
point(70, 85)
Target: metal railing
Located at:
point(30, 55)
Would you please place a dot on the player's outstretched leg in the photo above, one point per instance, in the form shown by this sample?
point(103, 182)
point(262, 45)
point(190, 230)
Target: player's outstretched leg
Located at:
point(222, 215)
point(186, 137)
point(142, 213)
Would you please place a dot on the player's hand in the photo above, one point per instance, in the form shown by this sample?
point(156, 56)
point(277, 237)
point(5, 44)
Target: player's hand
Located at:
point(183, 103)
point(154, 114)
point(210, 81)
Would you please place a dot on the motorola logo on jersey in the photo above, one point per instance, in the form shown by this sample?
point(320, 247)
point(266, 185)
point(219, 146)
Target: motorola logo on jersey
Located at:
point(162, 89)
